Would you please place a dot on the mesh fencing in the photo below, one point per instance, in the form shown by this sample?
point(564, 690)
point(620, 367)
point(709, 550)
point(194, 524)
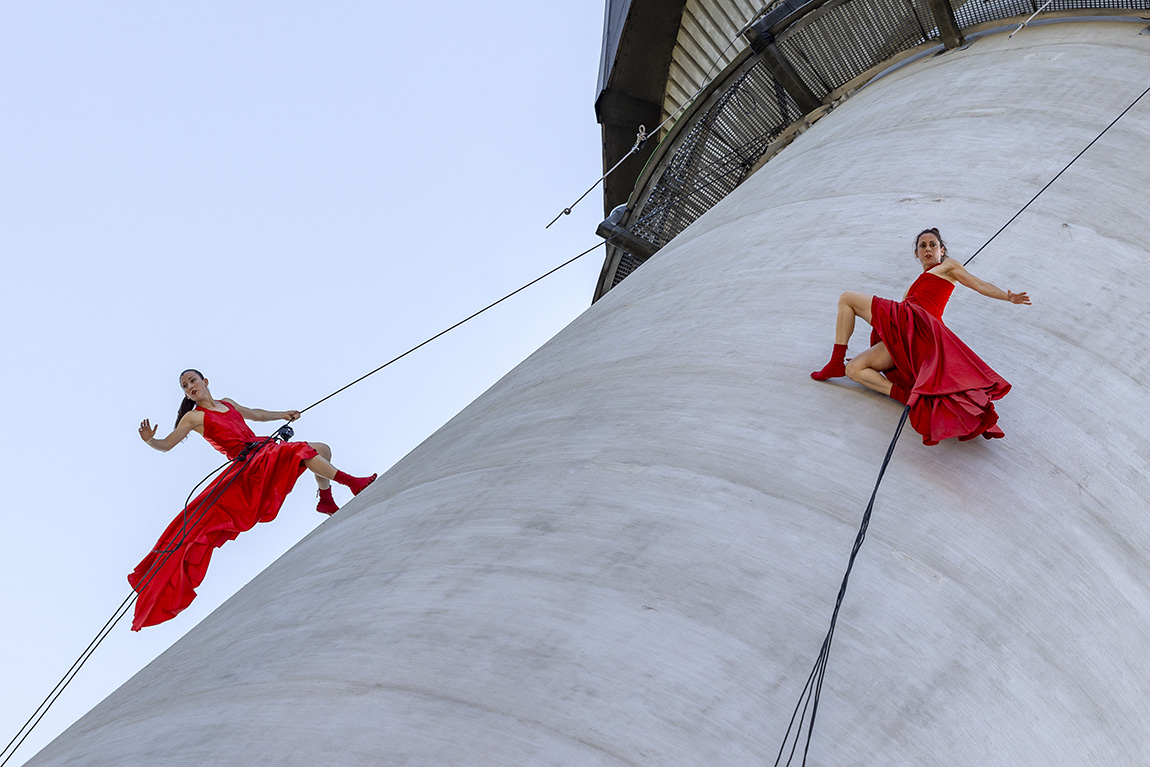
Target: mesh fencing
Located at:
point(831, 45)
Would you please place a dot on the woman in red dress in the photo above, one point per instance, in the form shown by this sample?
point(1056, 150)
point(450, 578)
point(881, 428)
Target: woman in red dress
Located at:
point(915, 359)
point(251, 489)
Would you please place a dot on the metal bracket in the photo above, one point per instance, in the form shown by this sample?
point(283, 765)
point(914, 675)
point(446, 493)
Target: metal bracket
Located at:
point(948, 30)
point(622, 237)
point(762, 42)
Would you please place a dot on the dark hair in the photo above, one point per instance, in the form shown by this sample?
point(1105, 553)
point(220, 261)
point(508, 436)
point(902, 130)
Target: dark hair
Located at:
point(187, 405)
point(933, 231)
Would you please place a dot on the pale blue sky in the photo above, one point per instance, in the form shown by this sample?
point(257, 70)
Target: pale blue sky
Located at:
point(284, 195)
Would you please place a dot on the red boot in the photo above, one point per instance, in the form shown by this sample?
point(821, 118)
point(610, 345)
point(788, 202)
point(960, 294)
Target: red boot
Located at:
point(355, 484)
point(326, 503)
point(836, 368)
point(899, 394)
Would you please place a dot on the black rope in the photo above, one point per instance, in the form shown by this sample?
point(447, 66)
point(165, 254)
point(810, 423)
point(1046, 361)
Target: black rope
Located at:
point(641, 138)
point(809, 698)
point(1051, 181)
point(283, 433)
point(810, 694)
point(640, 141)
point(188, 500)
point(118, 614)
point(26, 730)
point(54, 695)
point(470, 317)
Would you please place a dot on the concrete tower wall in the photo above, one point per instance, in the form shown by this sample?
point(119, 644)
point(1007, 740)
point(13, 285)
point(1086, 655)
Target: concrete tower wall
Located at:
point(626, 552)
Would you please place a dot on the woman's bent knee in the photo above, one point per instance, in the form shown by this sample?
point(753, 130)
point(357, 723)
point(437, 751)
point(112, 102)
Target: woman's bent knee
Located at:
point(321, 448)
point(855, 370)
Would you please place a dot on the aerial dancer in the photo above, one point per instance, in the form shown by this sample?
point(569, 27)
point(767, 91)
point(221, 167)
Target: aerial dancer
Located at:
point(915, 359)
point(251, 489)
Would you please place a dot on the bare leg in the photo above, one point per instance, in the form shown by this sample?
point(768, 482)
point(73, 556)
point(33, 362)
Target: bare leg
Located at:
point(851, 305)
point(325, 472)
point(867, 368)
point(320, 465)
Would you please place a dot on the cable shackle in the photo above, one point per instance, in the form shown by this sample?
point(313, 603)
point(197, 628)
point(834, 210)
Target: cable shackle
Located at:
point(640, 140)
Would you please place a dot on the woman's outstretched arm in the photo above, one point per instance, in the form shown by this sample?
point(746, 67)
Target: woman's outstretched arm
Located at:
point(256, 414)
point(190, 421)
point(964, 277)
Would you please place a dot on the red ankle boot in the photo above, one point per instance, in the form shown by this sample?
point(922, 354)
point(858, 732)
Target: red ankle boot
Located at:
point(899, 394)
point(836, 368)
point(355, 484)
point(326, 503)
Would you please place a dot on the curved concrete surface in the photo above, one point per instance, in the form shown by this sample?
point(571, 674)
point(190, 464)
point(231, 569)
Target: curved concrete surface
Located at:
point(627, 551)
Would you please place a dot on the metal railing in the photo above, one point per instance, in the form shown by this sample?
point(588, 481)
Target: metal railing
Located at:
point(802, 59)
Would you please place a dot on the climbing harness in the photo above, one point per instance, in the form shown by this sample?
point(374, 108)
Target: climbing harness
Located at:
point(809, 698)
point(282, 434)
point(285, 433)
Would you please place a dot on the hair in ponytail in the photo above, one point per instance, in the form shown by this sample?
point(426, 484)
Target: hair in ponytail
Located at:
point(187, 405)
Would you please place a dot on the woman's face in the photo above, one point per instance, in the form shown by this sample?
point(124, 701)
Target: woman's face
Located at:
point(194, 387)
point(929, 250)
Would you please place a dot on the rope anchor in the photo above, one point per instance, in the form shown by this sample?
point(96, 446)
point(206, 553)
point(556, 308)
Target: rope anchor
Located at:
point(1023, 24)
point(640, 140)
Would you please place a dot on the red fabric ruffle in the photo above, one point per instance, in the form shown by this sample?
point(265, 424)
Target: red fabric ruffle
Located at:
point(952, 389)
point(247, 492)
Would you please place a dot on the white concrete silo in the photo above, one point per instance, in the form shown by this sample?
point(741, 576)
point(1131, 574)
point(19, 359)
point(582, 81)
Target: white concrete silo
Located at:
point(626, 552)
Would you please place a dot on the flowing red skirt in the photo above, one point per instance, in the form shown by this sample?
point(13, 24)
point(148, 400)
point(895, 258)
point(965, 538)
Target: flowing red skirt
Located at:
point(246, 492)
point(952, 389)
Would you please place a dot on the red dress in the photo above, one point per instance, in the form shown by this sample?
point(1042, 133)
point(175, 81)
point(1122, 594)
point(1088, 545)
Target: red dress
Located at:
point(952, 390)
point(247, 492)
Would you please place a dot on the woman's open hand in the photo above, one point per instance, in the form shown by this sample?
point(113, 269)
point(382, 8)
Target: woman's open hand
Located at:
point(1018, 298)
point(147, 431)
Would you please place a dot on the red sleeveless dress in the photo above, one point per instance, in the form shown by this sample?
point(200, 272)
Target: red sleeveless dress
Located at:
point(246, 492)
point(952, 390)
